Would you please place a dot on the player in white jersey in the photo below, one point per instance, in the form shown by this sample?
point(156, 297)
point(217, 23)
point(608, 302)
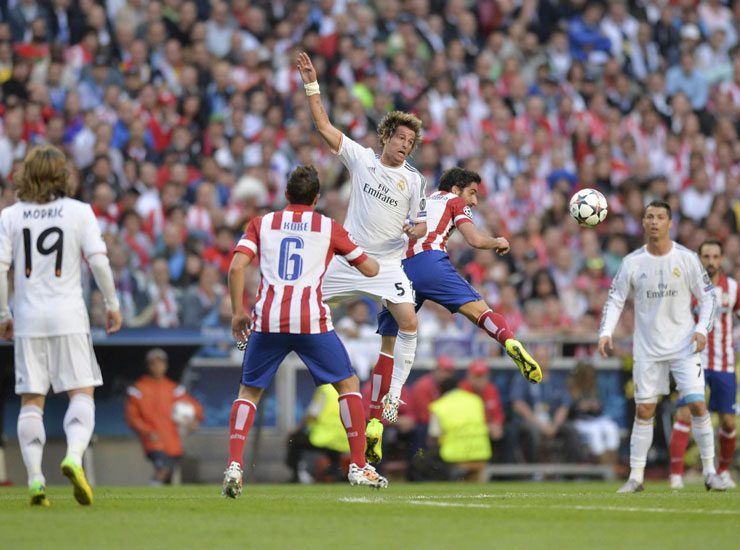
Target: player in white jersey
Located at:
point(44, 238)
point(294, 247)
point(718, 359)
point(663, 275)
point(387, 202)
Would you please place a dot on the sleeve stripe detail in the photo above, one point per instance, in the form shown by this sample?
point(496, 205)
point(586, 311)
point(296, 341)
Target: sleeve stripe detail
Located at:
point(357, 261)
point(354, 254)
point(462, 218)
point(246, 243)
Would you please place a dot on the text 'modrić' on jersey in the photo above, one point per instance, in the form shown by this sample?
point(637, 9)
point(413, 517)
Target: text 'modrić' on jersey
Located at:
point(45, 244)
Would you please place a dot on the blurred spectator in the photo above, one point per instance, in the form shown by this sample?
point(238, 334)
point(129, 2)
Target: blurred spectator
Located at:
point(459, 444)
point(201, 303)
point(428, 387)
point(322, 432)
point(476, 381)
point(599, 432)
point(541, 413)
point(157, 409)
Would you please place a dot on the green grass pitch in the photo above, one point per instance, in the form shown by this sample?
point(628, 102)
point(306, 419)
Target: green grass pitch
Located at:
point(458, 516)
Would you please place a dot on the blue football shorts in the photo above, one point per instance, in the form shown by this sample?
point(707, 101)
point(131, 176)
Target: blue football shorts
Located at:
point(433, 278)
point(323, 354)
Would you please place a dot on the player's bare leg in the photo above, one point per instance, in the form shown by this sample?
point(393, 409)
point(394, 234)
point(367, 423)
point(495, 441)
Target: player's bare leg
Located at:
point(701, 428)
point(679, 442)
point(352, 415)
point(240, 422)
point(32, 437)
point(79, 423)
point(727, 441)
point(640, 441)
point(403, 356)
point(494, 324)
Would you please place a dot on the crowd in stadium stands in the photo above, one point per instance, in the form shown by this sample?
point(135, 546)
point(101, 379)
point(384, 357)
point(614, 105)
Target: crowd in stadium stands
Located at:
point(182, 119)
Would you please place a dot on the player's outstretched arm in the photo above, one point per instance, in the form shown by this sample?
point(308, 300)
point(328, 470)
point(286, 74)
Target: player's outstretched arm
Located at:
point(478, 239)
point(331, 135)
point(239, 319)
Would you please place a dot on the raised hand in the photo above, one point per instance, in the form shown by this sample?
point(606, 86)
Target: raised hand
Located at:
point(306, 68)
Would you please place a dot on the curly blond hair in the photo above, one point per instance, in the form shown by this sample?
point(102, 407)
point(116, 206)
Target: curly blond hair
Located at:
point(43, 176)
point(393, 120)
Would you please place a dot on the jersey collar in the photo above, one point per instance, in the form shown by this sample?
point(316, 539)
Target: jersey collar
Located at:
point(298, 208)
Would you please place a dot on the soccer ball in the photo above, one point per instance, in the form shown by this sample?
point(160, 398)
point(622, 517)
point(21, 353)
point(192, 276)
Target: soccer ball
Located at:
point(588, 207)
point(183, 412)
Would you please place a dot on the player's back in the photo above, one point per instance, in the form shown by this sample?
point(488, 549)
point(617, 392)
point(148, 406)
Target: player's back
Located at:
point(294, 247)
point(45, 243)
point(445, 211)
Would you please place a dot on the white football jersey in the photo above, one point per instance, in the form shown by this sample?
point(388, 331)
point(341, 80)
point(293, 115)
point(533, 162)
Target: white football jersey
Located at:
point(381, 200)
point(45, 244)
point(663, 286)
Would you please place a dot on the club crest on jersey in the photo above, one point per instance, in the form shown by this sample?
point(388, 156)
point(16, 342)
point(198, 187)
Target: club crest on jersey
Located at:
point(401, 185)
point(676, 272)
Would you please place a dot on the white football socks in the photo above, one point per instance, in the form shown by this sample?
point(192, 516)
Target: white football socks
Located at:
point(32, 438)
point(701, 427)
point(79, 423)
point(640, 442)
point(403, 359)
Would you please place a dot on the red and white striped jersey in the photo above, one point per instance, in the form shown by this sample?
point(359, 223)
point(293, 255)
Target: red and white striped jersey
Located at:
point(445, 212)
point(294, 247)
point(719, 354)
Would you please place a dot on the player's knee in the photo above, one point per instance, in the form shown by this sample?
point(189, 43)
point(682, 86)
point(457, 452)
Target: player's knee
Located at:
point(645, 411)
point(408, 323)
point(683, 414)
point(727, 423)
point(698, 408)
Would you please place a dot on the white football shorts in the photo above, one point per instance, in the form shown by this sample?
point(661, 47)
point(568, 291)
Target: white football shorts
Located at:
point(651, 378)
point(64, 362)
point(342, 281)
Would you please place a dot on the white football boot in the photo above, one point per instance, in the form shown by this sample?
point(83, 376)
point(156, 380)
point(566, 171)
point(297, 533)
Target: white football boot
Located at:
point(366, 476)
point(232, 487)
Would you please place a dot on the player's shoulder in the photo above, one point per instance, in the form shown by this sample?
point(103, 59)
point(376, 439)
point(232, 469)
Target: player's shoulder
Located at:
point(685, 253)
point(636, 255)
point(414, 173)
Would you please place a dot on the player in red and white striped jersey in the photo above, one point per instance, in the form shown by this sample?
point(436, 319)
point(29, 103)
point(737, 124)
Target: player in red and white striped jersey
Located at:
point(434, 278)
point(294, 247)
point(719, 364)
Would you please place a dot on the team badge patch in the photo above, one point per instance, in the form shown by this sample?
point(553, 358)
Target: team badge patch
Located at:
point(468, 212)
point(676, 272)
point(401, 184)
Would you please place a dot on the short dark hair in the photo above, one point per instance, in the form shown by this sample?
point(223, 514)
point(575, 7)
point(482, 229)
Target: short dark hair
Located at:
point(659, 204)
point(457, 176)
point(303, 185)
point(715, 242)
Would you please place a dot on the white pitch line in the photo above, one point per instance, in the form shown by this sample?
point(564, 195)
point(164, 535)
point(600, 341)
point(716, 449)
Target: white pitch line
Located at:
point(422, 501)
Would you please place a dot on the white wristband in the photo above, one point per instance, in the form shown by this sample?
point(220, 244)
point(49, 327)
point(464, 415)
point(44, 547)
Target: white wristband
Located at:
point(312, 88)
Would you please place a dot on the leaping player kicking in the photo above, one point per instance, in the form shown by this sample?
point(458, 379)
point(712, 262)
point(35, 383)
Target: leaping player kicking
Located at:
point(434, 278)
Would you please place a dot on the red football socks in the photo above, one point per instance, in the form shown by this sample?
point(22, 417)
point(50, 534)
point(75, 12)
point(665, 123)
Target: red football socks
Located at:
point(353, 418)
point(240, 422)
point(726, 450)
point(380, 383)
point(496, 326)
point(679, 442)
